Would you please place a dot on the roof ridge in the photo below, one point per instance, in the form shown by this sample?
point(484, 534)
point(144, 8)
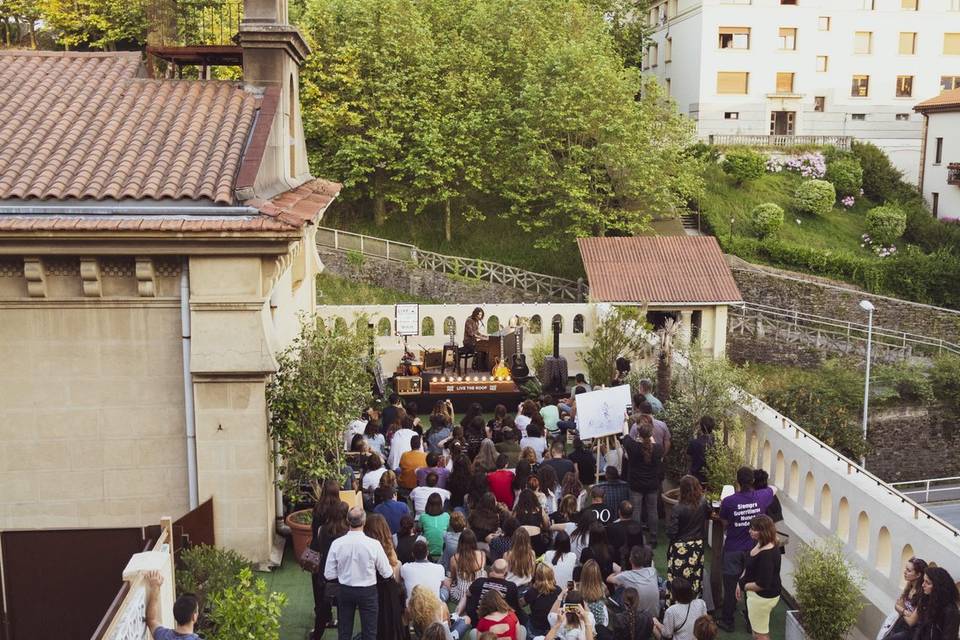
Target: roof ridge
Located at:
point(46, 53)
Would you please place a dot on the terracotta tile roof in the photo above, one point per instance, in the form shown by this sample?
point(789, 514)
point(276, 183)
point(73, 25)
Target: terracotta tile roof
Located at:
point(946, 101)
point(84, 126)
point(657, 270)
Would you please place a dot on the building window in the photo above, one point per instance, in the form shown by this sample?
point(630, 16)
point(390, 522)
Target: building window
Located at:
point(904, 86)
point(822, 63)
point(823, 23)
point(903, 116)
point(908, 43)
point(863, 42)
point(820, 103)
point(734, 37)
point(668, 50)
point(938, 154)
point(860, 87)
point(909, 5)
point(949, 82)
point(784, 82)
point(788, 38)
point(936, 203)
point(731, 115)
point(732, 82)
point(951, 44)
point(858, 116)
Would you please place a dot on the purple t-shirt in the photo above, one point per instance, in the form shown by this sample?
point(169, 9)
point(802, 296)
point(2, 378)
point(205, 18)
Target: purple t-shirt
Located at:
point(442, 474)
point(163, 633)
point(737, 511)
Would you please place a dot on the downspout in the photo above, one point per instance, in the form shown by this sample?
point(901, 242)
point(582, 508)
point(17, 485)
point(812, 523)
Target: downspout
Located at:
point(923, 153)
point(188, 405)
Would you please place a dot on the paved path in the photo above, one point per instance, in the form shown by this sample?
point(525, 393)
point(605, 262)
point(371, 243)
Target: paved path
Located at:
point(949, 512)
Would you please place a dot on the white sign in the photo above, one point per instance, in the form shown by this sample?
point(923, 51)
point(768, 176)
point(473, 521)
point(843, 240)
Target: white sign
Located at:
point(408, 319)
point(603, 412)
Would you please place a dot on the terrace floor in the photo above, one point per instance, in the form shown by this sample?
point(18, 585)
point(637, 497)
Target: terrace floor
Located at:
point(297, 620)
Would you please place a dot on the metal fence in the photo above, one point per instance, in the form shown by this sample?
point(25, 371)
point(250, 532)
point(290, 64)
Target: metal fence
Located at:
point(560, 289)
point(841, 142)
point(193, 22)
point(830, 334)
point(931, 489)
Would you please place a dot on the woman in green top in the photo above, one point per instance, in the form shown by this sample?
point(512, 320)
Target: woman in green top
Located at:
point(434, 523)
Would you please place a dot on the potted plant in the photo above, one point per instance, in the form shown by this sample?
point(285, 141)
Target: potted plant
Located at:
point(827, 589)
point(322, 383)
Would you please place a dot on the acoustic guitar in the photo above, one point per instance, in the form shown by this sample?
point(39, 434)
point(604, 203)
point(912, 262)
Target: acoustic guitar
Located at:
point(518, 365)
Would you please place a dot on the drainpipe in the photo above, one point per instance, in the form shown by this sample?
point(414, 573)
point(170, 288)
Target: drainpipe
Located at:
point(923, 153)
point(188, 406)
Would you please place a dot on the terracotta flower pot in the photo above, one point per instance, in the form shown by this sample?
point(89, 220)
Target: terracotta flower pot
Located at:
point(299, 531)
point(670, 499)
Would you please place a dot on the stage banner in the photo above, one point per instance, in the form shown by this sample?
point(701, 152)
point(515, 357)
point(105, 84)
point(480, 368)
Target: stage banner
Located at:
point(408, 319)
point(603, 412)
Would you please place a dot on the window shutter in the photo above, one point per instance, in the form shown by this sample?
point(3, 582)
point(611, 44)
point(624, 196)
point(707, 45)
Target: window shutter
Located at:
point(951, 44)
point(732, 82)
point(907, 43)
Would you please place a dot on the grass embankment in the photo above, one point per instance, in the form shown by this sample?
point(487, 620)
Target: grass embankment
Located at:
point(840, 230)
point(335, 290)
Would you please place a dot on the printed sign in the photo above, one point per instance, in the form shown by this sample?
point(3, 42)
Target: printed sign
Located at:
point(603, 412)
point(408, 319)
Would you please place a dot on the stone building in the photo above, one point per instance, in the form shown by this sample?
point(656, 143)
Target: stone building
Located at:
point(156, 247)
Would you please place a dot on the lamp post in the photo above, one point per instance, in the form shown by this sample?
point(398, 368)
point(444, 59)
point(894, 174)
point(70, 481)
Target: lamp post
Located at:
point(867, 306)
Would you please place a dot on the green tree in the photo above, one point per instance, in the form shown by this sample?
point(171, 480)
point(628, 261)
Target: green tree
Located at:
point(626, 21)
point(98, 24)
point(19, 20)
point(247, 611)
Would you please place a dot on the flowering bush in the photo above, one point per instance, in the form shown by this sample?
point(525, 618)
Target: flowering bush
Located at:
point(808, 165)
point(848, 201)
point(815, 197)
point(886, 223)
point(881, 250)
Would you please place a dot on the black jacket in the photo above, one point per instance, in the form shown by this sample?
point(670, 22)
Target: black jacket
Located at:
point(644, 476)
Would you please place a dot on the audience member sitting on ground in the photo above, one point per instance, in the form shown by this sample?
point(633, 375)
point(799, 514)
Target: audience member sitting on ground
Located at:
point(421, 572)
point(679, 619)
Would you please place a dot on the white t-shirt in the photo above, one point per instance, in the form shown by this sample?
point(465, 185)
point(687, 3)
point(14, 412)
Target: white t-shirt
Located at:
point(537, 444)
point(420, 495)
point(521, 421)
point(355, 427)
point(399, 445)
point(563, 570)
point(371, 479)
point(428, 574)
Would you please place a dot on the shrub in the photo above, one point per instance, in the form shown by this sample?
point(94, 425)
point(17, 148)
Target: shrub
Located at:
point(744, 165)
point(945, 377)
point(207, 572)
point(247, 610)
point(902, 382)
point(766, 219)
point(723, 460)
point(705, 152)
point(886, 223)
point(815, 197)
point(881, 180)
point(846, 176)
point(827, 589)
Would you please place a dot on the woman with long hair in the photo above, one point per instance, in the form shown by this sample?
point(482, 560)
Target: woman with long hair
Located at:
point(473, 411)
point(434, 522)
point(680, 618)
point(458, 483)
point(562, 559)
point(525, 413)
point(632, 622)
point(329, 523)
point(496, 616)
point(425, 608)
point(479, 487)
point(495, 424)
point(645, 457)
point(548, 486)
point(598, 550)
point(572, 487)
point(566, 511)
point(529, 513)
point(520, 558)
point(436, 631)
point(761, 576)
point(540, 596)
point(580, 536)
point(521, 474)
point(686, 532)
point(908, 602)
point(374, 437)
point(594, 592)
point(405, 539)
point(485, 517)
point(937, 617)
point(486, 459)
point(570, 619)
point(438, 432)
point(389, 594)
point(474, 433)
point(465, 566)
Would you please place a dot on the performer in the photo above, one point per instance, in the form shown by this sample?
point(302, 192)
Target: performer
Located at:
point(472, 330)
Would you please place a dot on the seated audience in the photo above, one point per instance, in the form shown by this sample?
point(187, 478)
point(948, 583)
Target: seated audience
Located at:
point(421, 572)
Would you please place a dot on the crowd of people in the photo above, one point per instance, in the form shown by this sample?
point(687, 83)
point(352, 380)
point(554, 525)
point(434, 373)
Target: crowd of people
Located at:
point(503, 528)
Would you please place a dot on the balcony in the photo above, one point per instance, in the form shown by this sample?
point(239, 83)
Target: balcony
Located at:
point(953, 173)
point(840, 142)
point(194, 32)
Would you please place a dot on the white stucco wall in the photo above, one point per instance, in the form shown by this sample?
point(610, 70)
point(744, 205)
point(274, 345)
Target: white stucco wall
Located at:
point(946, 126)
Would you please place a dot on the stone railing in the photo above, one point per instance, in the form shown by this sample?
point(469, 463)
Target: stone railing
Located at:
point(125, 618)
point(560, 289)
point(841, 142)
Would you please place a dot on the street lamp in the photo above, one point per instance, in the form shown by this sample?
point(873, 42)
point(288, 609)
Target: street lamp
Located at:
point(867, 306)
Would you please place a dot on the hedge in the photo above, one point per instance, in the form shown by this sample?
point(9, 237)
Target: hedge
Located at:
point(766, 219)
point(744, 165)
point(886, 223)
point(815, 197)
point(846, 176)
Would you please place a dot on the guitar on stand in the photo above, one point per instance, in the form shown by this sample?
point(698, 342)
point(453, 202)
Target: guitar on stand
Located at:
point(518, 366)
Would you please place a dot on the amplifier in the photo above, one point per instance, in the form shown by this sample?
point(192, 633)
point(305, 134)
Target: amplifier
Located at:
point(408, 385)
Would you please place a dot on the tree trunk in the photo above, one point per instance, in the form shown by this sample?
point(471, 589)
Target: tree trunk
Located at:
point(664, 371)
point(379, 201)
point(447, 222)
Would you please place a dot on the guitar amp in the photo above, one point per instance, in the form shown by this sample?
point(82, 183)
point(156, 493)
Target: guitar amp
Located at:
point(408, 385)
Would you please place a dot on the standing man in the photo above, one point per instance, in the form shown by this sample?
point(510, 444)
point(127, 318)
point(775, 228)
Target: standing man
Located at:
point(646, 390)
point(186, 610)
point(354, 561)
point(736, 512)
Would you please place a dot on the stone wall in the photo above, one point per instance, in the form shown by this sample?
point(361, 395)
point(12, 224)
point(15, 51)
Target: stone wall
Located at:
point(913, 443)
point(743, 348)
point(422, 283)
point(819, 296)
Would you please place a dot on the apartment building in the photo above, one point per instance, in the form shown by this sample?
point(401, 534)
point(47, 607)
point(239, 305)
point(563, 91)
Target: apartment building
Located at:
point(808, 67)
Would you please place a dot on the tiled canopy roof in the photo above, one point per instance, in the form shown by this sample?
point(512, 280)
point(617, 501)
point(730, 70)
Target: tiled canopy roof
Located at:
point(946, 101)
point(83, 126)
point(658, 270)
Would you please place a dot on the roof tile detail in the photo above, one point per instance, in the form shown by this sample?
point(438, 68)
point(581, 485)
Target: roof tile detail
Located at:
point(80, 125)
point(658, 270)
point(946, 101)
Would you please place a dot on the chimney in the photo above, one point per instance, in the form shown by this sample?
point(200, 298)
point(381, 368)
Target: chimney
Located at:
point(273, 51)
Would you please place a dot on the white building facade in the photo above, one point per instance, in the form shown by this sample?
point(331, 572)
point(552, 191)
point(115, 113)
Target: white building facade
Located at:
point(808, 67)
point(940, 158)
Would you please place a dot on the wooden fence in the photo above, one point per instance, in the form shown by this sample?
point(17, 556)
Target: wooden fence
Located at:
point(829, 334)
point(841, 142)
point(559, 289)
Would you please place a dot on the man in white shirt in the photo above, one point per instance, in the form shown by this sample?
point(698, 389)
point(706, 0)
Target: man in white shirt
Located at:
point(421, 494)
point(354, 428)
point(421, 571)
point(355, 560)
point(399, 445)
